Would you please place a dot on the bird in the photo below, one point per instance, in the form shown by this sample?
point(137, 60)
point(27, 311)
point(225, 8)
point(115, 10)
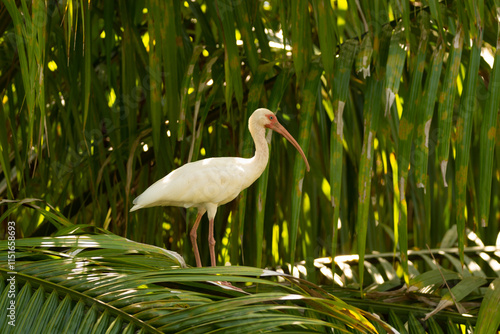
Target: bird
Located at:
point(206, 184)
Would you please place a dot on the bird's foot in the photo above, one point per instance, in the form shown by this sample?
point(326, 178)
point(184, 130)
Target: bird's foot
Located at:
point(227, 285)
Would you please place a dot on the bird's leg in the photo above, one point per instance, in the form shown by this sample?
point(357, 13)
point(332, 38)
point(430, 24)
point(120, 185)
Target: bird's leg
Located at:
point(211, 241)
point(193, 236)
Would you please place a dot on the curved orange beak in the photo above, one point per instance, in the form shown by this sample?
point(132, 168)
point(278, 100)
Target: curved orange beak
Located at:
point(276, 126)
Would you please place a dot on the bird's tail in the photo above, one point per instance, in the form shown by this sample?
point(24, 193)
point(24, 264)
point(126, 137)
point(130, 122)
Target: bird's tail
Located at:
point(136, 206)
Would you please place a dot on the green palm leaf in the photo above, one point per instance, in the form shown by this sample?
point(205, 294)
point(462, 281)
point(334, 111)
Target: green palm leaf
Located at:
point(109, 283)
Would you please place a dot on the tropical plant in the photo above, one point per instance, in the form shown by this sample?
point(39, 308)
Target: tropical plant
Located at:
point(82, 279)
point(394, 103)
point(105, 283)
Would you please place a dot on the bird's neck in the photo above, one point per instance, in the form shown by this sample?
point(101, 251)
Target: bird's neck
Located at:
point(261, 157)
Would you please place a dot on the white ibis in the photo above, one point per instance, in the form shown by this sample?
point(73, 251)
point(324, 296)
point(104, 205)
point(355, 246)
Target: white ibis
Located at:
point(208, 183)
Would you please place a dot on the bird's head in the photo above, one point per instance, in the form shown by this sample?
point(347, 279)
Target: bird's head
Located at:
point(263, 117)
point(266, 118)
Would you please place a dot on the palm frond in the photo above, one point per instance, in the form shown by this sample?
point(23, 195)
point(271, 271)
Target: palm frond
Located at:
point(109, 283)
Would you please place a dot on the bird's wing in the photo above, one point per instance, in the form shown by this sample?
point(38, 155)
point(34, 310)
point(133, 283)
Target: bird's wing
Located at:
point(215, 180)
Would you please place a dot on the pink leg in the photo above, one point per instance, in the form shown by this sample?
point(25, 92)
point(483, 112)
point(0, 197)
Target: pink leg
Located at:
point(193, 236)
point(211, 242)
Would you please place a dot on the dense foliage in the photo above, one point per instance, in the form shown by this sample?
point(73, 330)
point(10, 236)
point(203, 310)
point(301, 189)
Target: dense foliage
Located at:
point(395, 103)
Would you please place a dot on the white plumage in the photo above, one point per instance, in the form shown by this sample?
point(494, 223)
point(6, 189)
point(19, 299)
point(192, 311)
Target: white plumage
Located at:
point(208, 183)
point(213, 180)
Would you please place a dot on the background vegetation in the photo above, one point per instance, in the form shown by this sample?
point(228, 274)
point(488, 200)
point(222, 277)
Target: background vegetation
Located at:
point(395, 104)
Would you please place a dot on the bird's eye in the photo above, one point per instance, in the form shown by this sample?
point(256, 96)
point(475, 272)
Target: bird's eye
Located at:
point(271, 118)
